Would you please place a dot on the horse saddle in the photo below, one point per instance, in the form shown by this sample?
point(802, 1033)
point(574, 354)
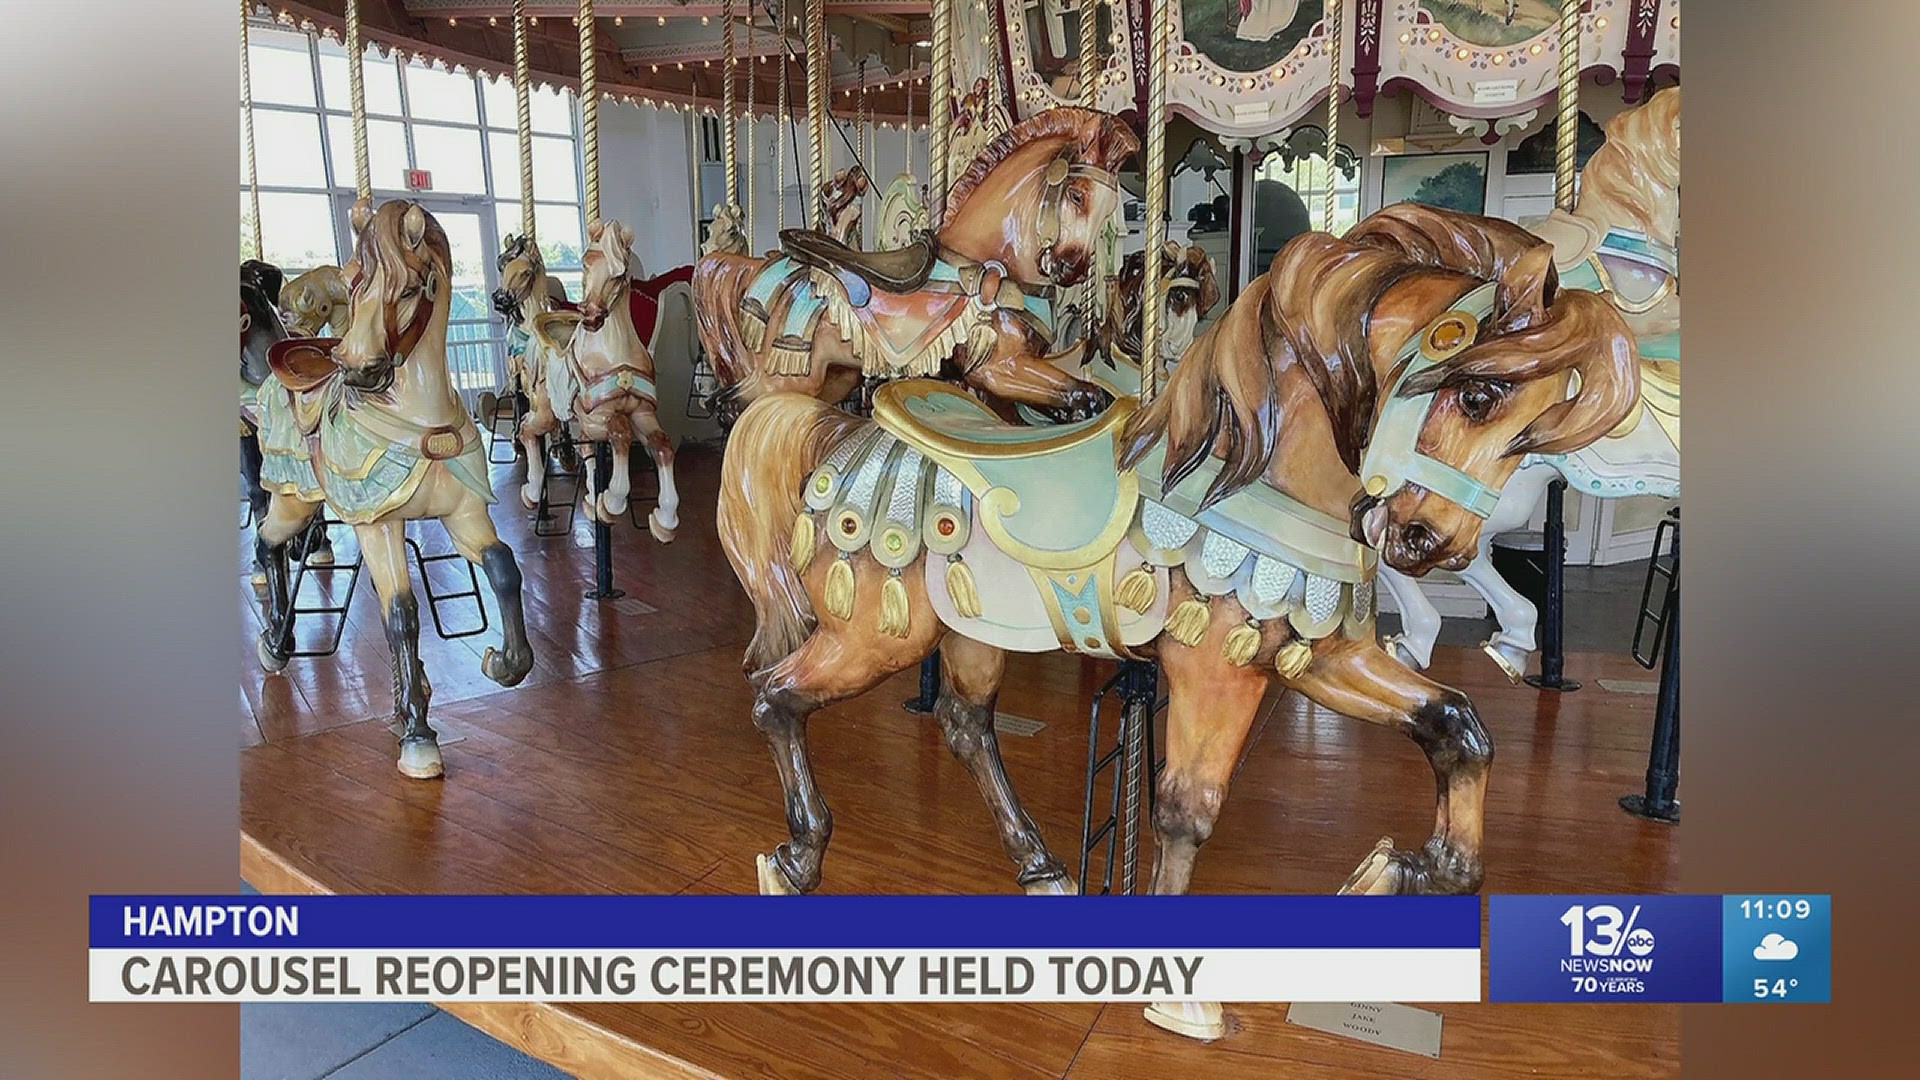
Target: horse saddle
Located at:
point(903, 270)
point(1048, 496)
point(303, 364)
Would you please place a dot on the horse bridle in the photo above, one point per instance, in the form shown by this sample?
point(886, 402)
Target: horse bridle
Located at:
point(1393, 457)
point(397, 349)
point(1062, 168)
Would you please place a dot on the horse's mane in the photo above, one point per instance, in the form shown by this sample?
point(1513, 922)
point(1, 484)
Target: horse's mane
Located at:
point(1639, 166)
point(1104, 141)
point(1312, 308)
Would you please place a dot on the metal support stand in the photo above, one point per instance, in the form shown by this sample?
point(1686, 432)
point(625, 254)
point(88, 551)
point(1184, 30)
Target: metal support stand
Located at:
point(602, 532)
point(315, 530)
point(515, 412)
point(1553, 650)
point(929, 687)
point(435, 599)
point(1135, 769)
point(1658, 803)
point(545, 521)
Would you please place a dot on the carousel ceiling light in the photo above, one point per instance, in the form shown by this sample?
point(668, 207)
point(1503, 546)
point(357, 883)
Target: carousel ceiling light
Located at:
point(619, 20)
point(493, 20)
point(1600, 23)
point(1499, 58)
point(1535, 50)
point(1433, 35)
point(705, 20)
point(660, 19)
point(1462, 54)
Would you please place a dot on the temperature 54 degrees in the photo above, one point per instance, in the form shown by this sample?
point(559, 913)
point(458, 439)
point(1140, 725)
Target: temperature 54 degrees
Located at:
point(1773, 988)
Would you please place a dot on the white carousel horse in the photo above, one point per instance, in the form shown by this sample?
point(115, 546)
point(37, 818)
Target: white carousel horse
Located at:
point(315, 302)
point(903, 213)
point(601, 370)
point(370, 424)
point(727, 235)
point(526, 293)
point(1621, 240)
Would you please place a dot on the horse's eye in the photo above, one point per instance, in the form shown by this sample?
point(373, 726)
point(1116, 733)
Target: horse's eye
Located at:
point(1478, 398)
point(410, 292)
point(1078, 197)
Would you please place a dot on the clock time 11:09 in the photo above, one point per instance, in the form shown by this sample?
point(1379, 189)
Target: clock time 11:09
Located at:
point(1782, 908)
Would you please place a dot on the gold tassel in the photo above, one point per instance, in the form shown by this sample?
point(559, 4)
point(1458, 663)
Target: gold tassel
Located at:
point(1137, 590)
point(960, 586)
point(1188, 623)
point(800, 554)
point(1293, 659)
point(753, 331)
point(840, 589)
point(1242, 642)
point(893, 607)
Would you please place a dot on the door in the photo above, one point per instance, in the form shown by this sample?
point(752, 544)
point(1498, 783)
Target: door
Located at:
point(476, 337)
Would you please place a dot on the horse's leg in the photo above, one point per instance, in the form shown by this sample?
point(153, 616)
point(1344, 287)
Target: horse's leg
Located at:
point(665, 517)
point(620, 484)
point(1419, 620)
point(1210, 709)
point(1513, 643)
point(286, 516)
point(1357, 679)
point(841, 659)
point(383, 546)
point(593, 428)
point(532, 430)
point(971, 674)
point(470, 528)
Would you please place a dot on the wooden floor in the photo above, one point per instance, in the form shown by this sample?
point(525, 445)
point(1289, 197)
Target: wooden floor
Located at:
point(626, 763)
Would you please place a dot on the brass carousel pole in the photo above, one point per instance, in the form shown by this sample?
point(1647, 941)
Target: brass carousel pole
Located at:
point(729, 127)
point(782, 117)
point(246, 115)
point(523, 118)
point(589, 115)
point(752, 121)
point(1089, 98)
point(1152, 298)
point(1333, 109)
point(940, 108)
point(357, 100)
point(817, 105)
point(1554, 535)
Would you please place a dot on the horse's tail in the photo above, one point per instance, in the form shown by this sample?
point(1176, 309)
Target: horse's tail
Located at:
point(776, 445)
point(719, 284)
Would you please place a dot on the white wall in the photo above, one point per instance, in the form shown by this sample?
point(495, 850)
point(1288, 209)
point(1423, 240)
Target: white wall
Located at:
point(645, 182)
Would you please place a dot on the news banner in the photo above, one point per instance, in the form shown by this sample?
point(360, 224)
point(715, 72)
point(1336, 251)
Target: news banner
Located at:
point(1757, 948)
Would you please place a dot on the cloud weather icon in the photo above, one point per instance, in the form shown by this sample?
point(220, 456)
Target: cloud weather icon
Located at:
point(1775, 947)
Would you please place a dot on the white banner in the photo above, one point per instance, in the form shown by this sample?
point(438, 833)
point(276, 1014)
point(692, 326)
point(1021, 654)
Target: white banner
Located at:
point(1344, 974)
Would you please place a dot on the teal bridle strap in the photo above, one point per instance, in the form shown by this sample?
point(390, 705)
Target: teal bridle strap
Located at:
point(1393, 459)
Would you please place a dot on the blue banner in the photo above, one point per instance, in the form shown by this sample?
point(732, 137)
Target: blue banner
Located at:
point(752, 922)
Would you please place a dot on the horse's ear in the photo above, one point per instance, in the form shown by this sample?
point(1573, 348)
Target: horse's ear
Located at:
point(413, 226)
point(361, 214)
point(1209, 282)
point(1526, 289)
point(594, 229)
point(623, 235)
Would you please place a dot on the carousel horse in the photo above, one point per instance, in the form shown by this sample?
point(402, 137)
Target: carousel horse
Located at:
point(315, 302)
point(370, 424)
point(1192, 290)
point(727, 235)
point(845, 195)
point(260, 330)
point(1619, 241)
point(600, 369)
point(977, 294)
point(525, 294)
point(903, 212)
point(1225, 529)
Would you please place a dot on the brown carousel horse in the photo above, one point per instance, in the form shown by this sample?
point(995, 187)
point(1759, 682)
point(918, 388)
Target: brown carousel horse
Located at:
point(1192, 289)
point(370, 424)
point(603, 373)
point(1022, 221)
point(1219, 529)
point(844, 194)
point(315, 302)
point(525, 294)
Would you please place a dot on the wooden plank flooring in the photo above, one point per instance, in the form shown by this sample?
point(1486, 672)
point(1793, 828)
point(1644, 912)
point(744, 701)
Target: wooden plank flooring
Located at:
point(626, 763)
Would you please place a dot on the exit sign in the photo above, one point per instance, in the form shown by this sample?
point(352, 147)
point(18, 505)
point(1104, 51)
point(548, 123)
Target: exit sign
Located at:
point(419, 180)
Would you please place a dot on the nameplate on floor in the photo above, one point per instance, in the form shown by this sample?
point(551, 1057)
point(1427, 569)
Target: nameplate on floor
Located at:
point(1397, 1027)
point(627, 605)
point(1025, 727)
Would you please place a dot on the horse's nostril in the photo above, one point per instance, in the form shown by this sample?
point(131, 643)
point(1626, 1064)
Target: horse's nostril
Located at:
point(1418, 539)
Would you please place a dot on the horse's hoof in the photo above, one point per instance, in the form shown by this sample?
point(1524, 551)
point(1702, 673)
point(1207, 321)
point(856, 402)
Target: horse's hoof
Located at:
point(1377, 875)
point(660, 532)
point(1514, 666)
point(320, 557)
point(612, 507)
point(420, 759)
point(528, 501)
point(1396, 646)
point(1059, 886)
point(259, 580)
point(773, 881)
point(504, 668)
point(270, 662)
point(1203, 1020)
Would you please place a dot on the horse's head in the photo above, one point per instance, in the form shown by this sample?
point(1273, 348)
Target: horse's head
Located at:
point(604, 277)
point(521, 272)
point(1036, 199)
point(1635, 177)
point(1435, 350)
point(260, 325)
point(313, 300)
point(399, 277)
point(1512, 367)
point(1192, 290)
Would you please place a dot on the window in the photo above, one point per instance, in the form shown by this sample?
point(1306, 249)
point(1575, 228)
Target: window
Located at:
point(452, 124)
point(1290, 197)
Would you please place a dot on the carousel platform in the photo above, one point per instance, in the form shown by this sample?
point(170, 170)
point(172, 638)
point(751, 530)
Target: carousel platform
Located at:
point(626, 763)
